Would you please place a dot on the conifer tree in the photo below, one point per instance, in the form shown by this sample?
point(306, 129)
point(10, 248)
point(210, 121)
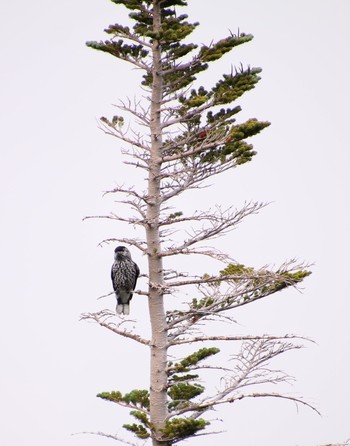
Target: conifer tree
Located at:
point(190, 133)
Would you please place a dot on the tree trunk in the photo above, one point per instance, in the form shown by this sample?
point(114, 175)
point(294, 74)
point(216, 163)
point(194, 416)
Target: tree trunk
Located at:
point(158, 385)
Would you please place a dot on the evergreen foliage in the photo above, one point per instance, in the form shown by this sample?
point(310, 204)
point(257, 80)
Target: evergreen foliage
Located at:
point(193, 359)
point(182, 428)
point(223, 141)
point(141, 431)
point(135, 398)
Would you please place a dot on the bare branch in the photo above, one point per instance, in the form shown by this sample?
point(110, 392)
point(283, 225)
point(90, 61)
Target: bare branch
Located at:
point(209, 405)
point(215, 279)
point(190, 174)
point(219, 219)
point(204, 251)
point(251, 368)
point(139, 292)
point(347, 443)
point(113, 216)
point(236, 338)
point(141, 115)
point(112, 293)
point(102, 318)
point(297, 400)
point(128, 191)
point(136, 62)
point(120, 134)
point(214, 223)
point(136, 164)
point(113, 437)
point(132, 242)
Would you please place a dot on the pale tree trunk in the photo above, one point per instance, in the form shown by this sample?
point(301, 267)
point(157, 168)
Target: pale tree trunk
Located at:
point(158, 387)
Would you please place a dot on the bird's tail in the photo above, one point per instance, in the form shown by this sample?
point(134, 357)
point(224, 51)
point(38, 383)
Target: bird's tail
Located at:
point(123, 309)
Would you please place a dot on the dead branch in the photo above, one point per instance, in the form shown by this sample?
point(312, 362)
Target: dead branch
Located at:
point(103, 319)
point(251, 368)
point(218, 216)
point(347, 443)
point(113, 437)
point(139, 244)
point(128, 191)
point(204, 251)
point(237, 338)
point(190, 174)
point(251, 364)
point(113, 216)
point(133, 110)
point(112, 293)
point(297, 400)
point(205, 406)
point(119, 134)
point(218, 279)
point(139, 292)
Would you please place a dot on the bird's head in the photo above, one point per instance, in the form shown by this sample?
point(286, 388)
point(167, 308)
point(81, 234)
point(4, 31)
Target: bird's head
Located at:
point(120, 252)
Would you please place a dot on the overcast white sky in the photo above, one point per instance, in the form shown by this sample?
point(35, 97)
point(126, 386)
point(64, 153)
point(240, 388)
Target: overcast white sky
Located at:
point(56, 163)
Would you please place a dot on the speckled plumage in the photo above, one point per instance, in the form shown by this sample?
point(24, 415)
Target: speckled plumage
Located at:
point(124, 276)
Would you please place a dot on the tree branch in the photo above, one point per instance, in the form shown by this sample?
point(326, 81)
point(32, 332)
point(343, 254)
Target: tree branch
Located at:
point(251, 369)
point(113, 216)
point(204, 251)
point(113, 437)
point(102, 319)
point(236, 338)
point(219, 222)
point(347, 443)
point(190, 174)
point(133, 110)
point(205, 406)
point(112, 130)
point(132, 242)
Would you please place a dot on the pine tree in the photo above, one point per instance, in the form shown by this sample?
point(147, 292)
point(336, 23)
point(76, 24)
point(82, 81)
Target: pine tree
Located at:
point(192, 134)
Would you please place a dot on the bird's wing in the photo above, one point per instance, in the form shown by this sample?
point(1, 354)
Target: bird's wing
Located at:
point(137, 273)
point(113, 282)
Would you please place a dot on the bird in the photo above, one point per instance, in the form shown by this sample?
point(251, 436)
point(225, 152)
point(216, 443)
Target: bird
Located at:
point(124, 275)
